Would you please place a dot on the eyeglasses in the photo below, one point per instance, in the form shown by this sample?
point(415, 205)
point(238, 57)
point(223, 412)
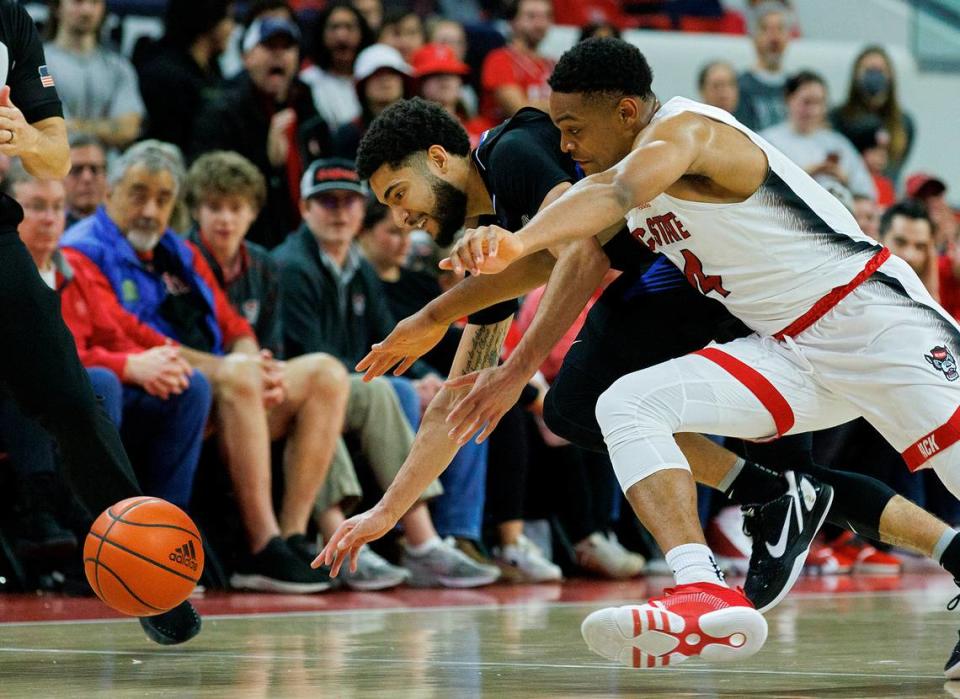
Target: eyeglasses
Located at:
point(95, 170)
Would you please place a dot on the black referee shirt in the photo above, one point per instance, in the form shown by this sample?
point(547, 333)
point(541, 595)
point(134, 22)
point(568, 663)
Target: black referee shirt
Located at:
point(24, 69)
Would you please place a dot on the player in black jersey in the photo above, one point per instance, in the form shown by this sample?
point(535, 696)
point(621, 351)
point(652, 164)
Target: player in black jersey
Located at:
point(38, 357)
point(648, 315)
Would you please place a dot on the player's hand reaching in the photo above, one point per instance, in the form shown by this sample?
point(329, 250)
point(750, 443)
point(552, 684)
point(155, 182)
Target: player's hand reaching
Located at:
point(483, 250)
point(492, 393)
point(411, 339)
point(351, 535)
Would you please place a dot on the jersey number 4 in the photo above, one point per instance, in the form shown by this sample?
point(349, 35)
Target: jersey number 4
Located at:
point(693, 268)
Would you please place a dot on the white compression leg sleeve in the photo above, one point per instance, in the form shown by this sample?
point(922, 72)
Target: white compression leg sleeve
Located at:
point(640, 413)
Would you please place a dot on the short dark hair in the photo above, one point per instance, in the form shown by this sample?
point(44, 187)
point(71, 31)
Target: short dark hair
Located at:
point(798, 80)
point(405, 128)
point(914, 209)
point(604, 65)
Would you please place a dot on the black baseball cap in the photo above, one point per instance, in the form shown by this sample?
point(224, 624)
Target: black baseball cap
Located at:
point(330, 175)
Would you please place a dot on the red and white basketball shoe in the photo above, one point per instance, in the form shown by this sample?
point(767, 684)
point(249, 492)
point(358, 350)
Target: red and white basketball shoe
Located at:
point(699, 619)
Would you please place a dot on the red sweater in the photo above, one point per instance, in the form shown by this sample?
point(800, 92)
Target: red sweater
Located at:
point(108, 336)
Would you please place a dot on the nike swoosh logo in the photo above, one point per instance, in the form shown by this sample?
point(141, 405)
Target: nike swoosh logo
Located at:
point(778, 549)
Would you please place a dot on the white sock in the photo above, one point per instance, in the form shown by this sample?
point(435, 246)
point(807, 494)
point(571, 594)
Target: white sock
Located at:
point(424, 548)
point(693, 563)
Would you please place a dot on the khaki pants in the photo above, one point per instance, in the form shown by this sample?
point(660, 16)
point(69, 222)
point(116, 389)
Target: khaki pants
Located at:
point(373, 414)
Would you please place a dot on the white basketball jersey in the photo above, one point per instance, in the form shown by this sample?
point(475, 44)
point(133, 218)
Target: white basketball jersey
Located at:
point(769, 258)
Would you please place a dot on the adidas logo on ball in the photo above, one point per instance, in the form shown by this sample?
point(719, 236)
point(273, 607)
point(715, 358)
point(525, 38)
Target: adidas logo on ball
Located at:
point(185, 555)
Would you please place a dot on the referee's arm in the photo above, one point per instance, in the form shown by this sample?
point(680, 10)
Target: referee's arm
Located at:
point(31, 116)
point(42, 146)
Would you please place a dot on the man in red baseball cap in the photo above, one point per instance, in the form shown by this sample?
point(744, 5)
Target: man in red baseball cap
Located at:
point(440, 74)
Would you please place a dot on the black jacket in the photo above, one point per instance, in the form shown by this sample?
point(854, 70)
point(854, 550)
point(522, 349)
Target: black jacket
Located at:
point(311, 313)
point(240, 120)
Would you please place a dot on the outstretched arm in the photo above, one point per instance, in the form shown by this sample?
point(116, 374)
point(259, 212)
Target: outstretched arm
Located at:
point(432, 451)
point(663, 154)
point(579, 271)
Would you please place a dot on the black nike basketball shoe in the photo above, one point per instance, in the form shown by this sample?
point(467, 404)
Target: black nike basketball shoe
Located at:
point(782, 531)
point(952, 669)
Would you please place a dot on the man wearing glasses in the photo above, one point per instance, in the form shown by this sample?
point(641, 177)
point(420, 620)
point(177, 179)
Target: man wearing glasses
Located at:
point(86, 183)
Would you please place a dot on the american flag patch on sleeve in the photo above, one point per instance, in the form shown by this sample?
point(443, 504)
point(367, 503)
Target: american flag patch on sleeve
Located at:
point(45, 78)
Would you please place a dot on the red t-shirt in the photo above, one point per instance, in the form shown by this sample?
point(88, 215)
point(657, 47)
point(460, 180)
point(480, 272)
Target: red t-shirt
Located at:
point(949, 287)
point(508, 66)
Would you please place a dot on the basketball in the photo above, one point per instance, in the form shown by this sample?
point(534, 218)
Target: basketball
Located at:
point(143, 556)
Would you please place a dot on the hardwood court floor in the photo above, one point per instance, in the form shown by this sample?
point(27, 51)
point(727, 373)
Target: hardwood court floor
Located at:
point(841, 637)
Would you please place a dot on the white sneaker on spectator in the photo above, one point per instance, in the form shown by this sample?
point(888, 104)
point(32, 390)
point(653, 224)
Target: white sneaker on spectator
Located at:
point(373, 572)
point(523, 561)
point(444, 565)
point(726, 538)
point(604, 555)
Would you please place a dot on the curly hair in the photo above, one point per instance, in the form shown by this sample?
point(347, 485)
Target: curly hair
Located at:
point(586, 68)
point(405, 128)
point(223, 173)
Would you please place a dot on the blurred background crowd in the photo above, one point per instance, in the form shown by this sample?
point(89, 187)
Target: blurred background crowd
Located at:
point(222, 270)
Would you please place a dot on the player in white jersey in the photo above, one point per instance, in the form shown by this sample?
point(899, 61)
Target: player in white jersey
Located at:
point(842, 328)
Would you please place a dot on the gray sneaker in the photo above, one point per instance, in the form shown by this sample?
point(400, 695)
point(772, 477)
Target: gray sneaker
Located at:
point(373, 572)
point(446, 566)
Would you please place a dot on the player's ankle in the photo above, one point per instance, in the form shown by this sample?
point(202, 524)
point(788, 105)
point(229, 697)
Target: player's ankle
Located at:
point(694, 563)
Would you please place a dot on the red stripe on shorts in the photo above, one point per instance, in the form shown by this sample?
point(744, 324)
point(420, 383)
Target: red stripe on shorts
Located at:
point(933, 443)
point(759, 385)
point(823, 306)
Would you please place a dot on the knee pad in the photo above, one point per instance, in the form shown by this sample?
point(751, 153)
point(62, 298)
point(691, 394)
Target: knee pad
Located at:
point(638, 430)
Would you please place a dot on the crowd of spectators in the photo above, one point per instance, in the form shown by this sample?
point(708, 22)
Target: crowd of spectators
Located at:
point(223, 269)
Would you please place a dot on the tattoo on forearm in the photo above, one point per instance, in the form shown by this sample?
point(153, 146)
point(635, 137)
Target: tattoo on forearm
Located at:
point(485, 349)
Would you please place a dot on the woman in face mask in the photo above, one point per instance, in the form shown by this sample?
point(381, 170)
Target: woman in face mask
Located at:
point(873, 95)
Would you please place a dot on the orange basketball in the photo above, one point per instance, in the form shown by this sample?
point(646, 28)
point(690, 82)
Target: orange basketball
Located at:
point(143, 556)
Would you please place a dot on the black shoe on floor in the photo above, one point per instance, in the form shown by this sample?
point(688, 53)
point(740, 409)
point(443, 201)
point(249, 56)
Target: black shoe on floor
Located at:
point(307, 551)
point(952, 669)
point(178, 625)
point(279, 568)
point(782, 531)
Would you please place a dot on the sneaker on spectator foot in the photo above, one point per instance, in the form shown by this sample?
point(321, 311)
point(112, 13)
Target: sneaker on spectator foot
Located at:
point(867, 560)
point(178, 625)
point(604, 555)
point(700, 619)
point(278, 568)
point(523, 561)
point(825, 560)
point(444, 565)
point(782, 532)
point(373, 572)
point(726, 538)
point(474, 550)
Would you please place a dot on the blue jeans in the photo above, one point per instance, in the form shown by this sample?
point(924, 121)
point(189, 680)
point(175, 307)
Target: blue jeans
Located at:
point(163, 437)
point(459, 511)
